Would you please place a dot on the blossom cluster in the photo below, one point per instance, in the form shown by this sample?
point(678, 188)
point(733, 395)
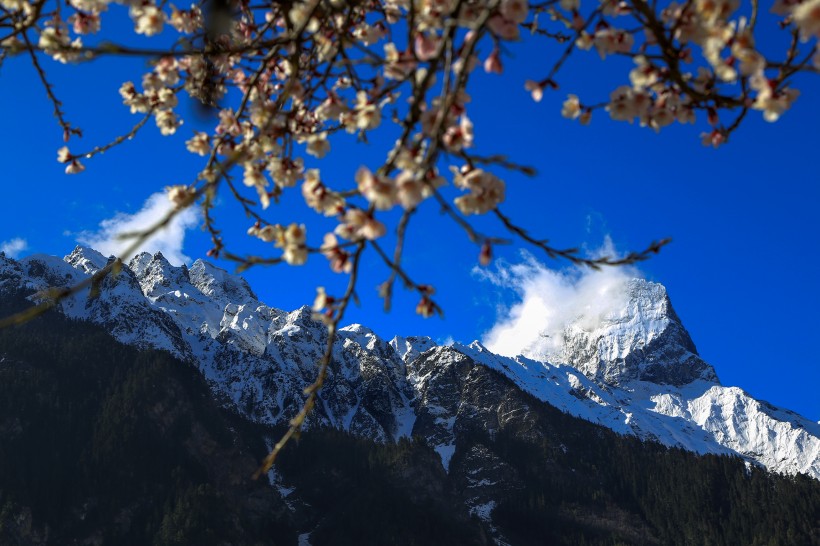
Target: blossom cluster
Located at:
point(287, 81)
point(670, 82)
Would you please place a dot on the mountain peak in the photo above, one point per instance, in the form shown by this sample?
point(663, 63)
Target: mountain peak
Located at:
point(409, 348)
point(356, 330)
point(86, 259)
point(218, 284)
point(641, 339)
point(612, 328)
point(156, 275)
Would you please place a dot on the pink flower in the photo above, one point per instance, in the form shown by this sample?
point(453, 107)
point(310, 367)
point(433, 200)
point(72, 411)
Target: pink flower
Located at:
point(426, 46)
point(571, 108)
point(807, 18)
point(715, 138)
point(535, 88)
point(503, 28)
point(425, 307)
point(379, 190)
point(492, 65)
point(339, 259)
point(515, 10)
point(149, 19)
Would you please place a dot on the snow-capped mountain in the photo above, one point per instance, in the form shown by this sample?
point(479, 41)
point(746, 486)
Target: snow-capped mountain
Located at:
point(634, 370)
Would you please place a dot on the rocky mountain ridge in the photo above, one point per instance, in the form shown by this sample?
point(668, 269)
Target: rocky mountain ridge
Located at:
point(636, 371)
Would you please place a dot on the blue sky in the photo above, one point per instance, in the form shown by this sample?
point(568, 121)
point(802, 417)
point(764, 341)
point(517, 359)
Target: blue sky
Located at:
point(742, 271)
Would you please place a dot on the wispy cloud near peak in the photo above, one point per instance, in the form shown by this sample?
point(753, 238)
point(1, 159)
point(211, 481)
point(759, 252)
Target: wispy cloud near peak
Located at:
point(547, 300)
point(13, 247)
point(169, 240)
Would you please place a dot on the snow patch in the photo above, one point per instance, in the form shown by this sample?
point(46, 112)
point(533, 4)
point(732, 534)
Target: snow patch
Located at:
point(446, 453)
point(483, 511)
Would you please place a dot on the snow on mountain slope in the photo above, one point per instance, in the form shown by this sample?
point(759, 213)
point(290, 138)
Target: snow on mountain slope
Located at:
point(408, 348)
point(633, 368)
point(86, 260)
point(779, 439)
point(642, 339)
point(257, 358)
point(120, 306)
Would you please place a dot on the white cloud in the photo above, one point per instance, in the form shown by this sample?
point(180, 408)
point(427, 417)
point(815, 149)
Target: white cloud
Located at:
point(13, 247)
point(548, 300)
point(169, 240)
point(446, 342)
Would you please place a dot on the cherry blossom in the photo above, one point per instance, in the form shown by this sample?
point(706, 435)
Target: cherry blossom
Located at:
point(571, 108)
point(186, 21)
point(493, 64)
point(425, 307)
point(340, 261)
point(148, 19)
point(167, 122)
point(358, 224)
point(285, 82)
point(181, 196)
point(73, 165)
point(199, 144)
point(319, 197)
point(609, 41)
point(536, 89)
point(503, 28)
point(379, 190)
point(318, 145)
point(807, 18)
point(773, 102)
point(515, 11)
point(486, 191)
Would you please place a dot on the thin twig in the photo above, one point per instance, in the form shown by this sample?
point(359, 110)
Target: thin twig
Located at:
point(401, 231)
point(68, 130)
point(572, 254)
point(312, 390)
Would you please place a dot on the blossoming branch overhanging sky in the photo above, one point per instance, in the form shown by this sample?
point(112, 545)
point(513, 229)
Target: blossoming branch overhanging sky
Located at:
point(742, 271)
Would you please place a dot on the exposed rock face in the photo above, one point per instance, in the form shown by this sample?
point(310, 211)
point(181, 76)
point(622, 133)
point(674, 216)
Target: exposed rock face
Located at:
point(644, 340)
point(636, 371)
point(258, 357)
